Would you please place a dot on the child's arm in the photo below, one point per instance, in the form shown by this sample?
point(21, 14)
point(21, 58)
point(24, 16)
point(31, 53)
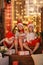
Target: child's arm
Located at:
point(2, 41)
point(36, 47)
point(11, 46)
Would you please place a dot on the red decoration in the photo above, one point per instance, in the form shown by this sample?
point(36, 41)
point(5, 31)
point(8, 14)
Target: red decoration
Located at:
point(33, 42)
point(9, 34)
point(8, 17)
point(15, 63)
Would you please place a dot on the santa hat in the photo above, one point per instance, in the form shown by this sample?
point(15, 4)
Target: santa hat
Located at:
point(9, 35)
point(19, 22)
point(30, 24)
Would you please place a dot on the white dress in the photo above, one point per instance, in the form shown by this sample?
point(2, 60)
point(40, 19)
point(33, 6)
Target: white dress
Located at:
point(30, 36)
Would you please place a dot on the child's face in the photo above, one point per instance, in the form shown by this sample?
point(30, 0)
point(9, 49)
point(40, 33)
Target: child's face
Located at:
point(30, 28)
point(20, 27)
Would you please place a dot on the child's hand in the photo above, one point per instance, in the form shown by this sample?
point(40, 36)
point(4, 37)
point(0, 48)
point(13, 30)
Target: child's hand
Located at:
point(31, 52)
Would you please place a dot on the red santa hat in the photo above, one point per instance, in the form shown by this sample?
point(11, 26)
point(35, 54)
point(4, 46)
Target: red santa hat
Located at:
point(19, 22)
point(30, 24)
point(9, 34)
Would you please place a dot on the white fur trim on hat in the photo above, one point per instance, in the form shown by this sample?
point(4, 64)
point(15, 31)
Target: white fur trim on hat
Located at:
point(20, 24)
point(31, 25)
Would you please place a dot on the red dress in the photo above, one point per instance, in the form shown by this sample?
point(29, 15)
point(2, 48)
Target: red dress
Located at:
point(33, 43)
point(8, 35)
point(32, 39)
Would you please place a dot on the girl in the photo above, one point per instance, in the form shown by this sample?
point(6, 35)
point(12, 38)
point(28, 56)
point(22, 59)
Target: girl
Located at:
point(19, 36)
point(8, 41)
point(32, 42)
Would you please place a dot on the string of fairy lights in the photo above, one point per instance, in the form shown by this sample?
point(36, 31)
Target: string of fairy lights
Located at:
point(27, 7)
point(33, 6)
point(29, 10)
point(19, 6)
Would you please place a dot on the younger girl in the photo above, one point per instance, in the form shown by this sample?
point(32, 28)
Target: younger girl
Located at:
point(8, 41)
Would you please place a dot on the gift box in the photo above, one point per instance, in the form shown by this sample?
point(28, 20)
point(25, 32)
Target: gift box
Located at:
point(26, 53)
point(10, 52)
point(23, 53)
point(15, 63)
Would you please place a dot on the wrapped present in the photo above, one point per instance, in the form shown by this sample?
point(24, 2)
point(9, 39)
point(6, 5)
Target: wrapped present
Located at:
point(13, 51)
point(15, 63)
point(23, 53)
point(26, 53)
point(10, 52)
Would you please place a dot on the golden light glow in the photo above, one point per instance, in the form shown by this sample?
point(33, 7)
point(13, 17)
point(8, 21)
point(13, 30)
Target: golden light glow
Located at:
point(17, 2)
point(29, 11)
point(34, 1)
